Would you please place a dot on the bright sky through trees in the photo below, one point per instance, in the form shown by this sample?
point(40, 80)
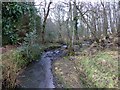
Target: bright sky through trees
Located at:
point(55, 1)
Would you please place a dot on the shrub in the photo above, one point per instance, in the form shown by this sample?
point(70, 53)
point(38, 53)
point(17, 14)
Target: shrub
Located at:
point(30, 52)
point(10, 61)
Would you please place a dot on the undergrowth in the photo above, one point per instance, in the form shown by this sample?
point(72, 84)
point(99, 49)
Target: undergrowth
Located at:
point(15, 60)
point(100, 71)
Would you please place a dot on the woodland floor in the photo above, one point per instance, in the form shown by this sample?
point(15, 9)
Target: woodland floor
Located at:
point(82, 70)
point(99, 70)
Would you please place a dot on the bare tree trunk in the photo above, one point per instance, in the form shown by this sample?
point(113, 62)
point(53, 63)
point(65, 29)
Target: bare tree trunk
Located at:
point(60, 35)
point(70, 49)
point(105, 22)
point(44, 23)
point(71, 25)
point(68, 31)
point(111, 23)
point(75, 21)
point(118, 27)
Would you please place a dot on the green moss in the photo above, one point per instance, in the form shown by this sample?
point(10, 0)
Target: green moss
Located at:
point(100, 71)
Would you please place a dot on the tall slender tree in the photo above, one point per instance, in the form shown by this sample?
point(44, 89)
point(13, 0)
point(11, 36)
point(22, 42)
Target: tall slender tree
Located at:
point(46, 13)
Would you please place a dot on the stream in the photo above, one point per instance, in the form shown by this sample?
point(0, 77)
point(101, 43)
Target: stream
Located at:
point(39, 74)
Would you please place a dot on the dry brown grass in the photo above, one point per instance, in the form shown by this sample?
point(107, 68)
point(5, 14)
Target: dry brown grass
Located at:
point(10, 71)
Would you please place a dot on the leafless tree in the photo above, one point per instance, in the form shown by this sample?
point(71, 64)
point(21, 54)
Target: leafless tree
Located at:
point(46, 13)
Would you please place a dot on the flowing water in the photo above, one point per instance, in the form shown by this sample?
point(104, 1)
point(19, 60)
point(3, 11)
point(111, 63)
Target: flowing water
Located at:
point(39, 74)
